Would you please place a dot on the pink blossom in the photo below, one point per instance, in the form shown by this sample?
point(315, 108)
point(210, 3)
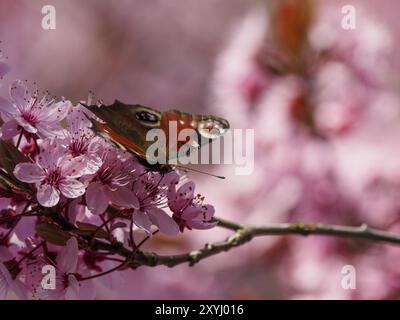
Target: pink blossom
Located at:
point(4, 68)
point(67, 285)
point(151, 193)
point(189, 211)
point(54, 173)
point(110, 183)
point(27, 111)
point(80, 142)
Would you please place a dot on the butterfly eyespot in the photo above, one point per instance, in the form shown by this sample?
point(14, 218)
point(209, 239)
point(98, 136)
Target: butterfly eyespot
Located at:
point(212, 128)
point(147, 117)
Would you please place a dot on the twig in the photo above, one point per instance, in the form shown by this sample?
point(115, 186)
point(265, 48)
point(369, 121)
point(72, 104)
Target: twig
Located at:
point(243, 234)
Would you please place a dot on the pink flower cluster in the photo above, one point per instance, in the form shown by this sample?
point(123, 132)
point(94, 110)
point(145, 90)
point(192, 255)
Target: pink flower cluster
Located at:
point(85, 182)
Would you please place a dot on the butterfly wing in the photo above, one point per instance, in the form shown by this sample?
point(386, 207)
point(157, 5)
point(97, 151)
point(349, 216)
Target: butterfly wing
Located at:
point(127, 126)
point(204, 128)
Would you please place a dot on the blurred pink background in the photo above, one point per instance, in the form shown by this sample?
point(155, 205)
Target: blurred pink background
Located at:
point(199, 56)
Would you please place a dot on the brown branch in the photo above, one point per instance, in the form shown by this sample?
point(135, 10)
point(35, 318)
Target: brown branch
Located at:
point(243, 234)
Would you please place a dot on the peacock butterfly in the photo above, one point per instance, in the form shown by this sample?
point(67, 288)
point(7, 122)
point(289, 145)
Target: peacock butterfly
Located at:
point(127, 125)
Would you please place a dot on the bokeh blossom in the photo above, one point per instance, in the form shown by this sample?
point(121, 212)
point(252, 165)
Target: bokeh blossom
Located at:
point(4, 68)
point(324, 108)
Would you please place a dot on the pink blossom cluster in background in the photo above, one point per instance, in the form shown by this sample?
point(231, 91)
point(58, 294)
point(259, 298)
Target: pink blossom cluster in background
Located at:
point(326, 112)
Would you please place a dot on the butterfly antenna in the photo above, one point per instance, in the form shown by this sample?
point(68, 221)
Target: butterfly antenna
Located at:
point(198, 171)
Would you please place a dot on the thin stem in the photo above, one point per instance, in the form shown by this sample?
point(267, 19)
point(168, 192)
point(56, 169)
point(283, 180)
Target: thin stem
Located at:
point(119, 266)
point(141, 243)
point(101, 226)
point(114, 259)
point(105, 223)
point(20, 137)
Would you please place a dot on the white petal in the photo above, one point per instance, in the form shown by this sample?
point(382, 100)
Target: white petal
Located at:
point(72, 188)
point(29, 172)
point(7, 107)
point(47, 195)
point(26, 125)
point(9, 130)
point(45, 130)
point(56, 112)
point(19, 92)
point(73, 167)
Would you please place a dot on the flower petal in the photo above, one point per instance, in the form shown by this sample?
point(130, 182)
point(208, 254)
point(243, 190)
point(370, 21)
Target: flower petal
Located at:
point(56, 112)
point(93, 163)
point(73, 167)
point(47, 195)
point(208, 212)
point(142, 220)
point(96, 198)
point(51, 154)
point(124, 197)
point(72, 188)
point(29, 172)
point(5, 281)
point(9, 130)
point(67, 260)
point(183, 196)
point(19, 289)
point(19, 93)
point(191, 213)
point(7, 107)
point(163, 221)
point(45, 130)
point(72, 291)
point(201, 225)
point(26, 125)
